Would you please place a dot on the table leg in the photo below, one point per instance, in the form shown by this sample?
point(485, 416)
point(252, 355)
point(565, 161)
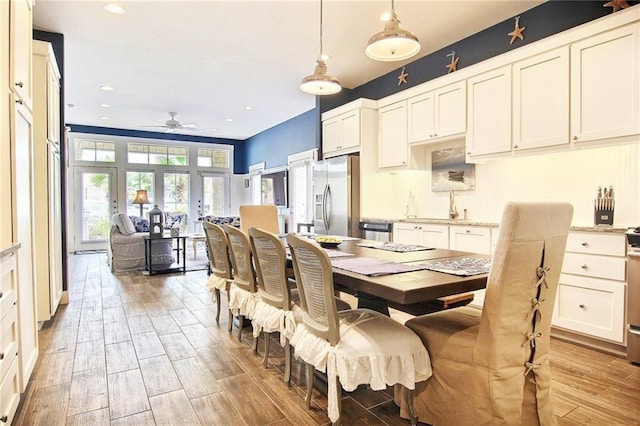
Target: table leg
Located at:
point(194, 242)
point(184, 254)
point(368, 301)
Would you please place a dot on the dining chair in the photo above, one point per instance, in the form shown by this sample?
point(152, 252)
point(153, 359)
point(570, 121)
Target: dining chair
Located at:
point(220, 273)
point(491, 366)
point(261, 216)
point(243, 291)
point(353, 347)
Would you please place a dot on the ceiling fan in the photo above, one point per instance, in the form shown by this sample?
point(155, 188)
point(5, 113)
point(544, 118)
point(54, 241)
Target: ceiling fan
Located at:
point(172, 124)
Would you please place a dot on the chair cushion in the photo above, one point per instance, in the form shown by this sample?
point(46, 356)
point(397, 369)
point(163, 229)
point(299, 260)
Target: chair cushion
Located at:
point(124, 224)
point(242, 302)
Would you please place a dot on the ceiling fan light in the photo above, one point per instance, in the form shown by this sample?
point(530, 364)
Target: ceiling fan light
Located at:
point(320, 83)
point(393, 43)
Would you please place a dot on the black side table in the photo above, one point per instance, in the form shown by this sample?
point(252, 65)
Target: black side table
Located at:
point(178, 266)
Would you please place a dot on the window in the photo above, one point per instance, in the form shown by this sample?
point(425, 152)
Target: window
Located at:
point(176, 192)
point(218, 158)
point(139, 180)
point(95, 151)
point(158, 154)
point(214, 195)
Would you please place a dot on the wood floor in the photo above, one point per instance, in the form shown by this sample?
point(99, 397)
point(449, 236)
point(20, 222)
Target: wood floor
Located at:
point(139, 350)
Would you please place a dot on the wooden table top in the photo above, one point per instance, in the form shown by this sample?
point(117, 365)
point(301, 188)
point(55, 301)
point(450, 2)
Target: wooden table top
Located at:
point(408, 287)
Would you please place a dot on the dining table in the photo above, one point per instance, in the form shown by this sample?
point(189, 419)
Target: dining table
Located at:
point(411, 291)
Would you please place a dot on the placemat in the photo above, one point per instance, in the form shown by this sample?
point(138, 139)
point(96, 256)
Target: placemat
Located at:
point(463, 266)
point(373, 267)
point(399, 248)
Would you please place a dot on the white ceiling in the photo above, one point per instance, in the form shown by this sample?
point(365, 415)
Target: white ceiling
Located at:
point(208, 60)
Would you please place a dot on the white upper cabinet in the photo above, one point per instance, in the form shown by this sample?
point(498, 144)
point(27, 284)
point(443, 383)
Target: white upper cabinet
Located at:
point(21, 28)
point(489, 112)
point(344, 128)
point(392, 144)
point(438, 114)
point(541, 100)
point(605, 94)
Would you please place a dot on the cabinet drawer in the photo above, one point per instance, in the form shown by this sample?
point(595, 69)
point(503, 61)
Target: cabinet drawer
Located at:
point(8, 341)
point(9, 393)
point(596, 243)
point(470, 238)
point(8, 282)
point(613, 268)
point(590, 306)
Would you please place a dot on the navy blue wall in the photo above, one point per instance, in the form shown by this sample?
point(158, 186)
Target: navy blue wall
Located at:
point(272, 146)
point(239, 155)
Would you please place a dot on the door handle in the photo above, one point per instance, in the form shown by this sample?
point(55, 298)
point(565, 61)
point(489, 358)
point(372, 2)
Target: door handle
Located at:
point(324, 207)
point(328, 215)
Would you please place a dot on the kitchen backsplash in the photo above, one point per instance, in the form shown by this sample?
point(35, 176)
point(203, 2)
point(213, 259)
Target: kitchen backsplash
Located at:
point(567, 176)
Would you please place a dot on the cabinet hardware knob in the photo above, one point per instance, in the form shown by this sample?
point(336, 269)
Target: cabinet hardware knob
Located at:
point(469, 153)
point(0, 295)
point(20, 84)
point(584, 244)
point(4, 419)
point(435, 135)
point(468, 231)
point(430, 136)
point(584, 266)
point(1, 356)
point(581, 306)
point(575, 138)
point(515, 147)
point(19, 101)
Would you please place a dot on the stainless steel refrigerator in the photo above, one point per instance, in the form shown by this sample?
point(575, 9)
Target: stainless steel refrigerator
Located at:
point(336, 196)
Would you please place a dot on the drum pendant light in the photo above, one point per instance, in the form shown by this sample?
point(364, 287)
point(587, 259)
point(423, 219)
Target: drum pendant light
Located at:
point(320, 83)
point(394, 43)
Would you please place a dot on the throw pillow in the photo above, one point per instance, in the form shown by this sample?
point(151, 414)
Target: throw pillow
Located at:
point(127, 225)
point(141, 224)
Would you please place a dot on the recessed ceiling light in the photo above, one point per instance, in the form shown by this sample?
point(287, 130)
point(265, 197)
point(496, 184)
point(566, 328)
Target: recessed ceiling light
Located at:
point(104, 118)
point(103, 105)
point(214, 129)
point(114, 8)
point(228, 120)
point(248, 107)
point(107, 88)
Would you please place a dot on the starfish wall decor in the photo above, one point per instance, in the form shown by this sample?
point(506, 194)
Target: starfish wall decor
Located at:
point(616, 5)
point(517, 31)
point(453, 65)
point(402, 78)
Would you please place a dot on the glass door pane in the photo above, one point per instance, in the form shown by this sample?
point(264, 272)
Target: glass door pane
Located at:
point(214, 195)
point(97, 202)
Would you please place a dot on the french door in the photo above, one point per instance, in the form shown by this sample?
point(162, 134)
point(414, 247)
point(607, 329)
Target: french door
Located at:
point(96, 202)
point(215, 194)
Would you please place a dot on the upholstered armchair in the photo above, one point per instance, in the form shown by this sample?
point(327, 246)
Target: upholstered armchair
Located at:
point(492, 366)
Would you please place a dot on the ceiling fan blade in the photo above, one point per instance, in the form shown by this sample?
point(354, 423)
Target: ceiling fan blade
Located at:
point(164, 127)
point(190, 125)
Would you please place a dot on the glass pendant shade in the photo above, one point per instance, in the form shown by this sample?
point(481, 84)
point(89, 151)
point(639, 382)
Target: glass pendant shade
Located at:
point(394, 43)
point(320, 83)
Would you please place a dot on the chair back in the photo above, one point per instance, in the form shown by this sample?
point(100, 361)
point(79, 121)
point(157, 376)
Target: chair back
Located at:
point(271, 268)
point(218, 250)
point(260, 216)
point(314, 279)
point(243, 273)
point(521, 290)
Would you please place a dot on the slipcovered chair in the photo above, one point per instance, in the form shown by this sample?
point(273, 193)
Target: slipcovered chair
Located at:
point(243, 291)
point(492, 366)
point(354, 347)
point(219, 270)
point(260, 216)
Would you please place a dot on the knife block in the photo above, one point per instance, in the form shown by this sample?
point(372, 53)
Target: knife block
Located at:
point(603, 217)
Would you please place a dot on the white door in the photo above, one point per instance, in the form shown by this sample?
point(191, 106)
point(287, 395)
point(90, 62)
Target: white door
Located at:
point(215, 196)
point(95, 203)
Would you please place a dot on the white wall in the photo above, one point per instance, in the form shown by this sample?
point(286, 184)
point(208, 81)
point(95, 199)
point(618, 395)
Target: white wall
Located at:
point(571, 176)
point(238, 193)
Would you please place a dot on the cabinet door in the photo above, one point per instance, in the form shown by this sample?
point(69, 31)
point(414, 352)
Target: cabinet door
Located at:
point(350, 124)
point(20, 49)
point(331, 135)
point(6, 237)
point(605, 94)
point(421, 115)
point(436, 236)
point(406, 233)
point(450, 110)
point(53, 106)
point(392, 145)
point(489, 112)
point(475, 240)
point(541, 111)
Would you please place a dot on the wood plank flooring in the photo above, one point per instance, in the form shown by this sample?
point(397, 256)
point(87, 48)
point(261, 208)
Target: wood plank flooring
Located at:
point(131, 349)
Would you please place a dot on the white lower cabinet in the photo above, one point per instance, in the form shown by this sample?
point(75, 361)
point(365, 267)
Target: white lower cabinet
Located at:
point(592, 287)
point(436, 236)
point(474, 239)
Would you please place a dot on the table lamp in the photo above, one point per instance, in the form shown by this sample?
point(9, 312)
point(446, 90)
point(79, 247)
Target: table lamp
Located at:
point(141, 198)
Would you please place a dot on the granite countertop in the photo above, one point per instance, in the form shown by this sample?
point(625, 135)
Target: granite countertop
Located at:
point(586, 228)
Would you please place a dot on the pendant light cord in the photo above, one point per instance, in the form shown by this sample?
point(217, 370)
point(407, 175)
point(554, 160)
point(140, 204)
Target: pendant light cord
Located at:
point(320, 56)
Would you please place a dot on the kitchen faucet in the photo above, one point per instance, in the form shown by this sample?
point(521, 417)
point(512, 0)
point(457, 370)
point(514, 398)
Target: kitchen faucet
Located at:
point(453, 210)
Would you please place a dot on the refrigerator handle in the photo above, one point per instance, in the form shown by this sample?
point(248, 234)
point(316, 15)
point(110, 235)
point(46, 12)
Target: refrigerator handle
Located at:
point(325, 212)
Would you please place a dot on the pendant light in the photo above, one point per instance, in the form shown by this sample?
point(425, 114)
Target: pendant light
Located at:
point(394, 43)
point(320, 83)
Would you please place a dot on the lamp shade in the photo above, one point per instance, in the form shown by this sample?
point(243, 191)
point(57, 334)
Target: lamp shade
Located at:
point(393, 43)
point(141, 197)
point(320, 83)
